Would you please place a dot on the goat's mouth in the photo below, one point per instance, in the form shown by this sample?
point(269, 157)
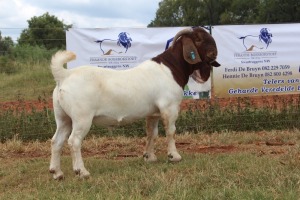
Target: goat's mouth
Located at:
point(212, 61)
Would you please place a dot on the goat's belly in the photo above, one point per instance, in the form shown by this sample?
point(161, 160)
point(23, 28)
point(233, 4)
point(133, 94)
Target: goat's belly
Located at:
point(116, 115)
point(117, 121)
point(110, 121)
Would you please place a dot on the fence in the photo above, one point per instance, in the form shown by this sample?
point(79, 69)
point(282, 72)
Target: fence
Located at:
point(32, 120)
point(26, 110)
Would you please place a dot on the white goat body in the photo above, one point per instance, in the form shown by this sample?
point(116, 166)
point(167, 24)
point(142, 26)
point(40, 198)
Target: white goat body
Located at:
point(152, 90)
point(109, 97)
point(113, 97)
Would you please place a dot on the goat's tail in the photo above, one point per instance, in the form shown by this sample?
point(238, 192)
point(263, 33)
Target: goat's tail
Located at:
point(57, 64)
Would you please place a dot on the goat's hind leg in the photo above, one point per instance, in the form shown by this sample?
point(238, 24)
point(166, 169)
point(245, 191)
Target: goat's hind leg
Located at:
point(152, 132)
point(63, 130)
point(80, 130)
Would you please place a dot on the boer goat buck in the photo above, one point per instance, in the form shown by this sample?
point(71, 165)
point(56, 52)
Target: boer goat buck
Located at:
point(107, 97)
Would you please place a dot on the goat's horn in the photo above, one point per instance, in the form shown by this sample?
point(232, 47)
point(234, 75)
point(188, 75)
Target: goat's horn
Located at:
point(180, 33)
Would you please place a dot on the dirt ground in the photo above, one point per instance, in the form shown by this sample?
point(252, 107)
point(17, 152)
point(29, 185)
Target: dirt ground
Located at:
point(275, 101)
point(260, 144)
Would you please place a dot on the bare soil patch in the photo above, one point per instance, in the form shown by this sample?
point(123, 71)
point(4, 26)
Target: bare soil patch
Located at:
point(122, 147)
point(275, 102)
point(27, 105)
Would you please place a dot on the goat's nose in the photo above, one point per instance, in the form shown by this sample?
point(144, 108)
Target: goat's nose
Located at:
point(212, 55)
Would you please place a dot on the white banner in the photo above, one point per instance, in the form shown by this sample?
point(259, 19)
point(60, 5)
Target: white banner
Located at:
point(124, 48)
point(257, 60)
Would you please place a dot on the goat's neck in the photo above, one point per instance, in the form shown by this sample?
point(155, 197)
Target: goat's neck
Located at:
point(173, 58)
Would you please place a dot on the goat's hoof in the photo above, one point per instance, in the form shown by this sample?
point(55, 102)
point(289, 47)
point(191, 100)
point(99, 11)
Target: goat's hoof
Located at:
point(77, 171)
point(57, 175)
point(84, 174)
point(145, 156)
point(149, 157)
point(59, 178)
point(174, 157)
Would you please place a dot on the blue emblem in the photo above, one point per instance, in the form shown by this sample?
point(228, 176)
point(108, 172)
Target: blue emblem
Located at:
point(115, 46)
point(256, 42)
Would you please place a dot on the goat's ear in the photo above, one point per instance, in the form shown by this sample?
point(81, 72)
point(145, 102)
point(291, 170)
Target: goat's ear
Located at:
point(190, 52)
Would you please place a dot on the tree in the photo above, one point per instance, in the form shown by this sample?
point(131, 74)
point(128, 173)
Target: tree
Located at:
point(279, 11)
point(216, 12)
point(177, 13)
point(187, 13)
point(239, 12)
point(6, 44)
point(45, 30)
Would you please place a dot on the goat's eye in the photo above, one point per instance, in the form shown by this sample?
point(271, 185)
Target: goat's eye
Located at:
point(198, 43)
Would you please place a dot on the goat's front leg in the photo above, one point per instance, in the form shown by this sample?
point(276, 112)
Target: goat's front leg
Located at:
point(169, 117)
point(152, 132)
point(80, 129)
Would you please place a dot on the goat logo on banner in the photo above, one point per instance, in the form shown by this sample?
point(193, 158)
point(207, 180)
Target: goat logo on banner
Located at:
point(257, 42)
point(115, 46)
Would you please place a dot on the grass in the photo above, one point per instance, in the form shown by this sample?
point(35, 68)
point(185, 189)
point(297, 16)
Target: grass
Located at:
point(198, 177)
point(238, 175)
point(30, 82)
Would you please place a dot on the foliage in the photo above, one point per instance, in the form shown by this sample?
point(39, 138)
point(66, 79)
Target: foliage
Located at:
point(22, 55)
point(32, 54)
point(7, 66)
point(45, 31)
point(31, 76)
point(278, 11)
point(6, 44)
point(216, 12)
point(181, 13)
point(240, 12)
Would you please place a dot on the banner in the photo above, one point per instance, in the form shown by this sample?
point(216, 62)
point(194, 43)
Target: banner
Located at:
point(257, 60)
point(124, 48)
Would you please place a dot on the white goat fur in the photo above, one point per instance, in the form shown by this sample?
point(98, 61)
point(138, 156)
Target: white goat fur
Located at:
point(87, 95)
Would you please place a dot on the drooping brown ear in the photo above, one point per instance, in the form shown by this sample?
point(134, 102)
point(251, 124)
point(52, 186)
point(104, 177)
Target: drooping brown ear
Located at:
point(205, 70)
point(190, 52)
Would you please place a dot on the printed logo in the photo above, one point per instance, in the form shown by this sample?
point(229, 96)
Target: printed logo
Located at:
point(113, 53)
point(115, 46)
point(256, 48)
point(257, 42)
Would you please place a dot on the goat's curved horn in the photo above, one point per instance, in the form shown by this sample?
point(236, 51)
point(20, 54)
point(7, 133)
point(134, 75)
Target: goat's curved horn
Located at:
point(180, 33)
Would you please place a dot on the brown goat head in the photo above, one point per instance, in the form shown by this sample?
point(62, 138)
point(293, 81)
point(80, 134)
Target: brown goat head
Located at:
point(199, 50)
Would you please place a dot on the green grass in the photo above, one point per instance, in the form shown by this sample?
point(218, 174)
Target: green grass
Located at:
point(242, 174)
point(234, 176)
point(28, 83)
